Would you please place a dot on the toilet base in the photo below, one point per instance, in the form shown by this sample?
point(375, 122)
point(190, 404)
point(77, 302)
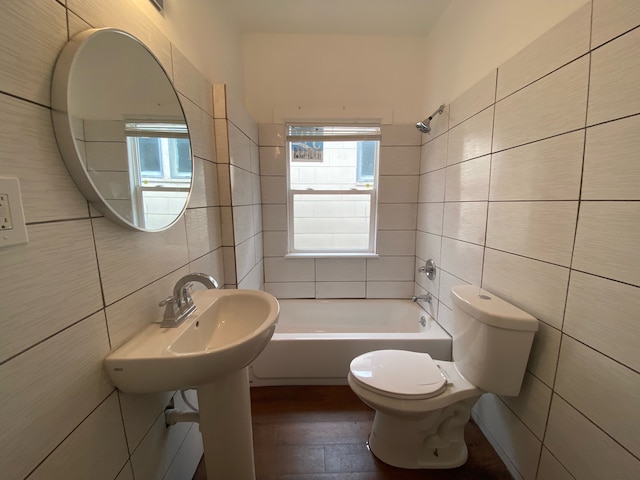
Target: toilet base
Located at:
point(432, 440)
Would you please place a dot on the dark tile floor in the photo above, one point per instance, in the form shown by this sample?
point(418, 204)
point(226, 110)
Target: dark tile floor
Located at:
point(320, 433)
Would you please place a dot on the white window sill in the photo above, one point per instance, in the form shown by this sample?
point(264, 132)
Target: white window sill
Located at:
point(331, 255)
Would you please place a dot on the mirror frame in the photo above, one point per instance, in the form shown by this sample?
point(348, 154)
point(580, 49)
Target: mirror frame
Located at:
point(62, 125)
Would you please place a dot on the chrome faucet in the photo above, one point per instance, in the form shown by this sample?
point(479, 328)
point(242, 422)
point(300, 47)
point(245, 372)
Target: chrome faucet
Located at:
point(427, 298)
point(180, 305)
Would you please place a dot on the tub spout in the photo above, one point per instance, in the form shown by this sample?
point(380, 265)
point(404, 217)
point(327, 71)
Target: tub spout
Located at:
point(427, 298)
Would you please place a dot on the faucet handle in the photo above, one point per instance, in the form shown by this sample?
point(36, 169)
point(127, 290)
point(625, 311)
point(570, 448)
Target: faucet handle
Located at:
point(167, 301)
point(185, 299)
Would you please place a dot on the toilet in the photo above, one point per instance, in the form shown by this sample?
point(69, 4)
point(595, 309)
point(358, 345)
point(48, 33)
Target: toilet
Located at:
point(422, 404)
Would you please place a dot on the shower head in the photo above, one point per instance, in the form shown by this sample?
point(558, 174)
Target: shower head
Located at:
point(424, 126)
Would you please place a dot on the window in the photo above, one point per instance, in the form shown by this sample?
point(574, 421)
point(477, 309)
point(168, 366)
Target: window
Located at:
point(160, 162)
point(332, 181)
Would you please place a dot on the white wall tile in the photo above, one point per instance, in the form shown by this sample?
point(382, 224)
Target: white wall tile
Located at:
point(608, 240)
point(465, 221)
point(340, 269)
point(539, 288)
point(389, 289)
point(543, 358)
point(477, 98)
point(203, 231)
point(239, 148)
point(290, 289)
point(468, 181)
point(516, 440)
point(152, 458)
point(211, 264)
point(274, 217)
point(204, 184)
point(397, 216)
point(340, 289)
point(532, 404)
point(241, 182)
point(130, 260)
point(462, 259)
point(52, 395)
point(275, 244)
point(224, 184)
point(190, 82)
point(390, 268)
point(399, 160)
point(447, 281)
point(397, 189)
point(563, 43)
point(611, 167)
point(433, 155)
point(188, 456)
point(585, 450)
point(28, 150)
point(472, 138)
point(428, 246)
point(602, 389)
point(540, 230)
point(229, 262)
point(553, 105)
point(128, 316)
point(289, 270)
point(254, 280)
point(445, 317)
point(273, 161)
point(271, 135)
point(238, 114)
point(432, 186)
point(274, 189)
point(545, 170)
point(243, 223)
point(612, 18)
point(396, 242)
point(599, 321)
point(200, 125)
point(139, 412)
point(36, 279)
point(245, 258)
point(32, 37)
point(76, 456)
point(613, 91)
point(430, 217)
point(221, 131)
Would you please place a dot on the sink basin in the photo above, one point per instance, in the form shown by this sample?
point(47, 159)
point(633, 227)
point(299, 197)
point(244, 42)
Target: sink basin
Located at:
point(226, 333)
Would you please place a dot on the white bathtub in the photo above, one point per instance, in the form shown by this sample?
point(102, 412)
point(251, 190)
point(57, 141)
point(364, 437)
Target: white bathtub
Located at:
point(315, 340)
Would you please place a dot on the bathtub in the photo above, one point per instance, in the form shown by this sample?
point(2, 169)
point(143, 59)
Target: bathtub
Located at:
point(315, 340)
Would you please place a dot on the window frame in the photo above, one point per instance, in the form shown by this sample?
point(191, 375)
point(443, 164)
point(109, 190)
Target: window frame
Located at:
point(369, 188)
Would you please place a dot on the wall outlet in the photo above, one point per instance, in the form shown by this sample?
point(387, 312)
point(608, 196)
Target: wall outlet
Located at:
point(13, 229)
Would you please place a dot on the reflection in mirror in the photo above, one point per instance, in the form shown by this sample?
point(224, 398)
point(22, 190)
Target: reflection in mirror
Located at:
point(121, 129)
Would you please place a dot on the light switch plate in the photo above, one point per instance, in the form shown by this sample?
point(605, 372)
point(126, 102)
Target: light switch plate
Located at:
point(13, 229)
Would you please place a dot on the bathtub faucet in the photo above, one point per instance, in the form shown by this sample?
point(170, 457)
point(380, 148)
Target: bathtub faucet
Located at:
point(427, 298)
point(179, 306)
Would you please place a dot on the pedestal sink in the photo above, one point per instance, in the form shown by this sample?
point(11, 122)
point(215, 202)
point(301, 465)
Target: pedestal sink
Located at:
point(209, 351)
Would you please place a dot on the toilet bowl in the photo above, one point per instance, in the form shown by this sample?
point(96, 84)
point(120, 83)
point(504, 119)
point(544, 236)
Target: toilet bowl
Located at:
point(422, 404)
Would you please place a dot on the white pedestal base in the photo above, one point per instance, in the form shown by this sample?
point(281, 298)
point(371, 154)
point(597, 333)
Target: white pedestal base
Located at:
point(225, 425)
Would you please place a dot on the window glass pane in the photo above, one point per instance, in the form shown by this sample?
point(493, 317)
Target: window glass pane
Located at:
point(180, 158)
point(366, 161)
point(332, 165)
point(150, 157)
point(331, 222)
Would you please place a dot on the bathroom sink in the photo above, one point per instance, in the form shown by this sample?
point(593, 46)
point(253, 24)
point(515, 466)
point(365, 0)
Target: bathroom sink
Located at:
point(227, 332)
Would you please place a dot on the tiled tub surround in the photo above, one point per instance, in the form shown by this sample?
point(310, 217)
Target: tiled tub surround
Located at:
point(83, 285)
point(240, 197)
point(530, 186)
point(388, 276)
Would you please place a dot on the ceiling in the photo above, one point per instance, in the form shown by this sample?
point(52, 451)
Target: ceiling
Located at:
point(355, 17)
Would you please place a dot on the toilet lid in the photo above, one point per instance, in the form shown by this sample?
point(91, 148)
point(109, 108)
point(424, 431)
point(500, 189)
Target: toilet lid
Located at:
point(399, 373)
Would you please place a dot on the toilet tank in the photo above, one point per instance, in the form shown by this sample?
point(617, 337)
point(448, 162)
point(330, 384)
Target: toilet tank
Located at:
point(491, 340)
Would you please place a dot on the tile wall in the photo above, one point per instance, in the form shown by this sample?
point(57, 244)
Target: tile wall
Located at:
point(390, 275)
point(83, 285)
point(240, 197)
point(530, 187)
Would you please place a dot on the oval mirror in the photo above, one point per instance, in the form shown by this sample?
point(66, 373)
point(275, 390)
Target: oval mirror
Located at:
point(121, 129)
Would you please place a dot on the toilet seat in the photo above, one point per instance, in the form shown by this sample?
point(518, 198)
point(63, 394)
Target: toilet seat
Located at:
point(399, 374)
